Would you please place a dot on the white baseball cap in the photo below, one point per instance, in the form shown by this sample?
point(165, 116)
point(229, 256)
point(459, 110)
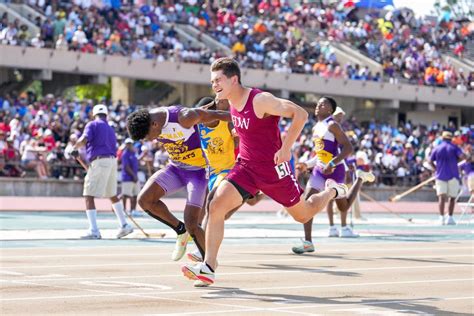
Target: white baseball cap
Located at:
point(338, 111)
point(100, 109)
point(128, 141)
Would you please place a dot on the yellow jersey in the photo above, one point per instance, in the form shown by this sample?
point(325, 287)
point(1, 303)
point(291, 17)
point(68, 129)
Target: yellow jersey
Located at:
point(218, 145)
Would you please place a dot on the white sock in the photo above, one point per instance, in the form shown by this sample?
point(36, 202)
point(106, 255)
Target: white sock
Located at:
point(118, 210)
point(92, 217)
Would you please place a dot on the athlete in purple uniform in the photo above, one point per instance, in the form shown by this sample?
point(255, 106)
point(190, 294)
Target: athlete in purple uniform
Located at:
point(175, 127)
point(328, 165)
point(262, 163)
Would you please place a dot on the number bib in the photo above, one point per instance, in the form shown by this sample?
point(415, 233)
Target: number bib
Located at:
point(283, 169)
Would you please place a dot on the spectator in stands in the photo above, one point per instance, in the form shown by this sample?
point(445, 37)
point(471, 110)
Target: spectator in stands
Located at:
point(32, 157)
point(130, 184)
point(444, 159)
point(12, 160)
point(270, 35)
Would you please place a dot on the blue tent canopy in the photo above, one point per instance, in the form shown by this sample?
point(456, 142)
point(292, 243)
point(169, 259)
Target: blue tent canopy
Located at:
point(377, 4)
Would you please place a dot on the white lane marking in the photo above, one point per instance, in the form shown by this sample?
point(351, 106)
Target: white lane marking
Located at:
point(276, 271)
point(104, 293)
point(121, 284)
point(286, 308)
point(220, 290)
point(293, 258)
point(46, 276)
point(5, 272)
point(227, 252)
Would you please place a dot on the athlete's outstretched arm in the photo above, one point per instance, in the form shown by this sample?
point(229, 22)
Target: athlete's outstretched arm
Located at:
point(267, 104)
point(190, 117)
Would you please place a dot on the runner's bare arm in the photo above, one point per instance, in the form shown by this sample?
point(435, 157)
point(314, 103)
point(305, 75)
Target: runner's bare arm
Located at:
point(190, 117)
point(234, 134)
point(267, 104)
point(343, 140)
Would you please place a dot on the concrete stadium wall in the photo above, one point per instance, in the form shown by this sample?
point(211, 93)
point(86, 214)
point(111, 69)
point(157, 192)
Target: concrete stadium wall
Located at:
point(73, 188)
point(78, 63)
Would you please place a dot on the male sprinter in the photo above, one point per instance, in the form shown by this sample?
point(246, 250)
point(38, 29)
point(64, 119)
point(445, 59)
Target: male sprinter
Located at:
point(262, 164)
point(219, 143)
point(175, 127)
point(328, 165)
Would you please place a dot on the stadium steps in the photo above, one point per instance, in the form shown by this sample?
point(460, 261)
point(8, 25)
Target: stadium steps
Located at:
point(184, 36)
point(209, 42)
point(464, 63)
point(345, 53)
point(11, 10)
point(27, 12)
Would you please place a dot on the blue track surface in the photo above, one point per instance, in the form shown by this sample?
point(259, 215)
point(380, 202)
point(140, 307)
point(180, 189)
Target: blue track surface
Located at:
point(379, 227)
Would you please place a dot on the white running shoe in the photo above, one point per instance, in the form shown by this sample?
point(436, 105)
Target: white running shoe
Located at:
point(450, 221)
point(340, 188)
point(180, 246)
point(136, 213)
point(306, 246)
point(346, 232)
point(442, 220)
point(200, 272)
point(365, 176)
point(92, 235)
point(195, 256)
point(124, 231)
point(333, 231)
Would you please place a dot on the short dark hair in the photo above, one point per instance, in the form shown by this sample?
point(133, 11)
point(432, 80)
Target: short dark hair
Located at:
point(332, 102)
point(205, 101)
point(138, 124)
point(229, 66)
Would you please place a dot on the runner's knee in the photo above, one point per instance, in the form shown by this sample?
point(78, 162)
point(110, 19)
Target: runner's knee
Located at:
point(217, 207)
point(144, 200)
point(301, 218)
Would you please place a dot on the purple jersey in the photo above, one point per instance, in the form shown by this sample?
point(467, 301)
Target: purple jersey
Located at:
point(326, 146)
point(468, 168)
point(446, 156)
point(182, 144)
point(129, 159)
point(101, 140)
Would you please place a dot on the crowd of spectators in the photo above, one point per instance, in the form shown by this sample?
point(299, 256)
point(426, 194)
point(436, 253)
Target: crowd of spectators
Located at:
point(265, 34)
point(36, 136)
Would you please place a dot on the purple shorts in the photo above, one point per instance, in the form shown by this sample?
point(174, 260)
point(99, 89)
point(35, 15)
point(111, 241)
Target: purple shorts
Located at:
point(173, 178)
point(278, 183)
point(318, 180)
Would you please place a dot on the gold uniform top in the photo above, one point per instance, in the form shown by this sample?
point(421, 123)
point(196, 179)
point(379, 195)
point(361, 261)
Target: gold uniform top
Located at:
point(218, 145)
